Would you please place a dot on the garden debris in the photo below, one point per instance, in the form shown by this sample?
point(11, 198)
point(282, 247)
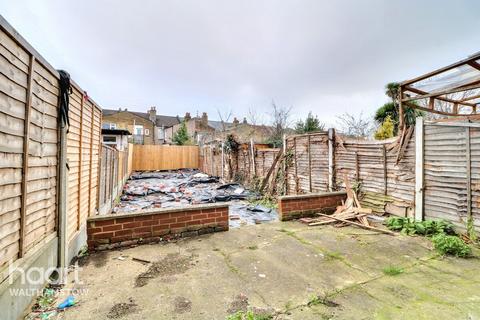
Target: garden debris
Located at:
point(141, 260)
point(179, 188)
point(347, 213)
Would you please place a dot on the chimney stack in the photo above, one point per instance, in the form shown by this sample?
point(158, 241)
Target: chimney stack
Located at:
point(188, 117)
point(235, 121)
point(205, 119)
point(152, 114)
point(245, 120)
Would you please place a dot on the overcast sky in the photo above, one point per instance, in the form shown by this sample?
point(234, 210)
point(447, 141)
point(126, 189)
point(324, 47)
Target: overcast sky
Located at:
point(328, 57)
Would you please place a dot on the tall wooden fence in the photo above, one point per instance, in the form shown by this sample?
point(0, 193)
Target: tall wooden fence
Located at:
point(115, 168)
point(249, 162)
point(30, 197)
point(159, 157)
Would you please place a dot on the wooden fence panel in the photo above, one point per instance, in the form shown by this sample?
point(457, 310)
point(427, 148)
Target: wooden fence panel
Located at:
point(154, 157)
point(15, 72)
point(451, 161)
point(113, 174)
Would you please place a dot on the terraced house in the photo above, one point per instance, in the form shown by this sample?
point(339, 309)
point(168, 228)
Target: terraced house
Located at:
point(146, 127)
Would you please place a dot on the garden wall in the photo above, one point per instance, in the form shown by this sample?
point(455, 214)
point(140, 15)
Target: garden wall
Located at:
point(111, 231)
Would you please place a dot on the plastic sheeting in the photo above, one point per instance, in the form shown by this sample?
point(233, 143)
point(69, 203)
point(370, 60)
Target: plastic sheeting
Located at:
point(147, 190)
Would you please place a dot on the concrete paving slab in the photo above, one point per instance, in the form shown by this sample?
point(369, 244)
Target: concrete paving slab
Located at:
point(287, 269)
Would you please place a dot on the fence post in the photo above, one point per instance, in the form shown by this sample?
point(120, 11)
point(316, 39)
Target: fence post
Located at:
point(80, 158)
point(252, 150)
point(285, 168)
point(309, 164)
point(331, 158)
point(223, 160)
point(469, 177)
point(385, 178)
point(419, 141)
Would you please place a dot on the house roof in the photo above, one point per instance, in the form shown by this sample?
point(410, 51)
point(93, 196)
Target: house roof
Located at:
point(162, 120)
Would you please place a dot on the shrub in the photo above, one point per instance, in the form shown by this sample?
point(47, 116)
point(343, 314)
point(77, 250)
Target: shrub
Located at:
point(453, 245)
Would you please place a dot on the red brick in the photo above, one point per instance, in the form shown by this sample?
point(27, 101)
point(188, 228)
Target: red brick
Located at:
point(102, 223)
point(121, 238)
point(143, 218)
point(221, 219)
point(198, 216)
point(148, 223)
point(123, 232)
point(183, 219)
point(132, 225)
point(142, 235)
point(214, 215)
point(94, 230)
point(208, 210)
point(103, 235)
point(208, 220)
point(142, 229)
point(177, 214)
point(167, 221)
point(194, 222)
point(112, 228)
point(177, 225)
point(124, 220)
point(161, 227)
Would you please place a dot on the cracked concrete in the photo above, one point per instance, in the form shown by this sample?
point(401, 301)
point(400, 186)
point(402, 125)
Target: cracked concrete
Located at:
point(280, 267)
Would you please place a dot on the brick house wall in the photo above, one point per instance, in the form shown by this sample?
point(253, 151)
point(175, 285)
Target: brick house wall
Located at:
point(306, 205)
point(126, 120)
point(111, 231)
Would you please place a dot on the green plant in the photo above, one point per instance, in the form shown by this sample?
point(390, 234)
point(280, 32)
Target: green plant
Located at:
point(181, 136)
point(268, 202)
point(452, 245)
point(392, 271)
point(248, 315)
point(311, 124)
point(386, 130)
point(426, 228)
point(253, 247)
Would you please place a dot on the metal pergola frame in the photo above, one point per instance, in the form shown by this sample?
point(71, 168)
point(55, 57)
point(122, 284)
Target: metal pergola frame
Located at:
point(412, 90)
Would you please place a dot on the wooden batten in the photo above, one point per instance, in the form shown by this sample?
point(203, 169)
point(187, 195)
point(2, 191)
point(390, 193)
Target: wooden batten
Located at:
point(26, 141)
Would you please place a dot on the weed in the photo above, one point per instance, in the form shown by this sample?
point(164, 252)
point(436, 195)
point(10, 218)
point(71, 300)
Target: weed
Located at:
point(427, 228)
point(441, 233)
point(248, 315)
point(254, 247)
point(334, 255)
point(265, 201)
point(316, 300)
point(392, 271)
point(452, 245)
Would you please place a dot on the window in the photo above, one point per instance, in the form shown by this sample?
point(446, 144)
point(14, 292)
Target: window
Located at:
point(161, 133)
point(108, 125)
point(110, 140)
point(138, 130)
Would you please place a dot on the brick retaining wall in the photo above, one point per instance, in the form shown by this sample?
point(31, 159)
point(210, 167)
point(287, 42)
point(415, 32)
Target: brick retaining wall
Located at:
point(305, 205)
point(111, 231)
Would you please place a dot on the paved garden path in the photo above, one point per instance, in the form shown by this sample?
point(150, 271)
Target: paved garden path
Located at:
point(279, 268)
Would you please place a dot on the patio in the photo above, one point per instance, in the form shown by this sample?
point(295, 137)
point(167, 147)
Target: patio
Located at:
point(279, 269)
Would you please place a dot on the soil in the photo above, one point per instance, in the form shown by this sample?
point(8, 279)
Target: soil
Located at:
point(172, 264)
point(182, 305)
point(121, 309)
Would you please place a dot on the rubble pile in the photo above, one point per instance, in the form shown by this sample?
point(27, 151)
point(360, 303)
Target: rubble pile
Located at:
point(160, 189)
